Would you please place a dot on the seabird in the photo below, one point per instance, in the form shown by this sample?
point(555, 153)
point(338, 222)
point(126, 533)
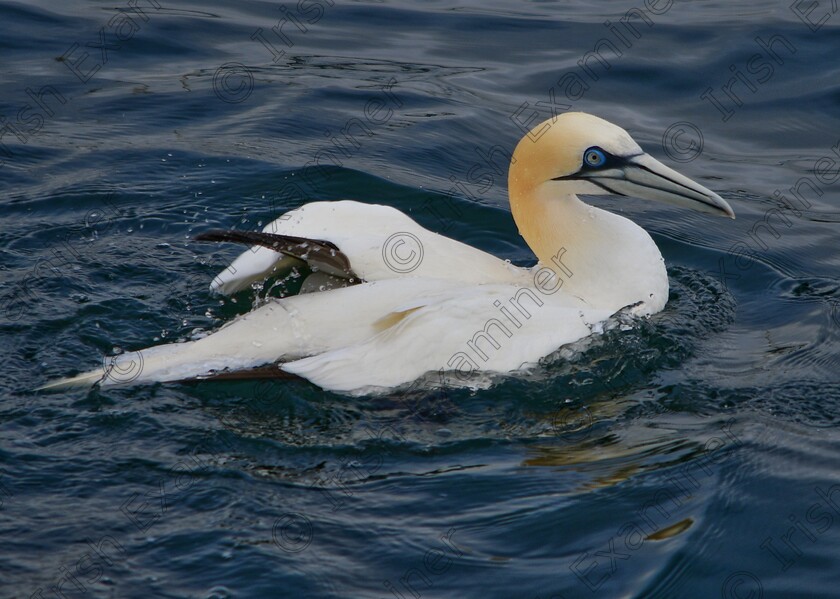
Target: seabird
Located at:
point(387, 301)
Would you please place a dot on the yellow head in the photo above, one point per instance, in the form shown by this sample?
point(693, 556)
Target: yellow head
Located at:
point(577, 153)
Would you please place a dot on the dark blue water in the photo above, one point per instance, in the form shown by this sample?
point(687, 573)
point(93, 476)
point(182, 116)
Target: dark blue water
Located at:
point(695, 456)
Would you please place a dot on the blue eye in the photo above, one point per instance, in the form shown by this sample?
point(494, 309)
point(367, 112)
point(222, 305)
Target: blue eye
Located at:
point(594, 157)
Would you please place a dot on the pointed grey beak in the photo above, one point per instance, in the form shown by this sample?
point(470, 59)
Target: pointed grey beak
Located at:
point(643, 176)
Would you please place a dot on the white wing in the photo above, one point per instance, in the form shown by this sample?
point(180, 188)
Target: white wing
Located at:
point(283, 329)
point(374, 335)
point(381, 242)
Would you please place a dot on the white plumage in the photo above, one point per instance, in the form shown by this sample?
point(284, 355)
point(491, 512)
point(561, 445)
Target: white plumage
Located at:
point(428, 303)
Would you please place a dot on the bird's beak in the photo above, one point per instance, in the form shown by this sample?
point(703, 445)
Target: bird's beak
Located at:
point(643, 176)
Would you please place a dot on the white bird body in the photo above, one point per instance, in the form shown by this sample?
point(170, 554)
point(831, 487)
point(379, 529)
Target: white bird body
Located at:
point(428, 303)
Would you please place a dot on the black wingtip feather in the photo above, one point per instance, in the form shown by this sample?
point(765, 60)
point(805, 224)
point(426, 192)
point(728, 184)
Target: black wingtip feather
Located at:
point(319, 254)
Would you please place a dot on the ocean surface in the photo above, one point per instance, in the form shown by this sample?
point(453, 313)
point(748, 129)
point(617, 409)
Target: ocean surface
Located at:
point(696, 455)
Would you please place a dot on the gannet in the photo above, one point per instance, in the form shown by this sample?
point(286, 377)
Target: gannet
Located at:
point(388, 301)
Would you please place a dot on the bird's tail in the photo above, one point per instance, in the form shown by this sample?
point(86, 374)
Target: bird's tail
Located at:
point(208, 357)
point(147, 365)
point(86, 379)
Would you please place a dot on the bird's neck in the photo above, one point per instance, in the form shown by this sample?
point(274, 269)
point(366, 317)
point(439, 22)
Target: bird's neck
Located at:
point(604, 259)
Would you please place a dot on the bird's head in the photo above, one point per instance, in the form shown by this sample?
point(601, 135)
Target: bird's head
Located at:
point(577, 153)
